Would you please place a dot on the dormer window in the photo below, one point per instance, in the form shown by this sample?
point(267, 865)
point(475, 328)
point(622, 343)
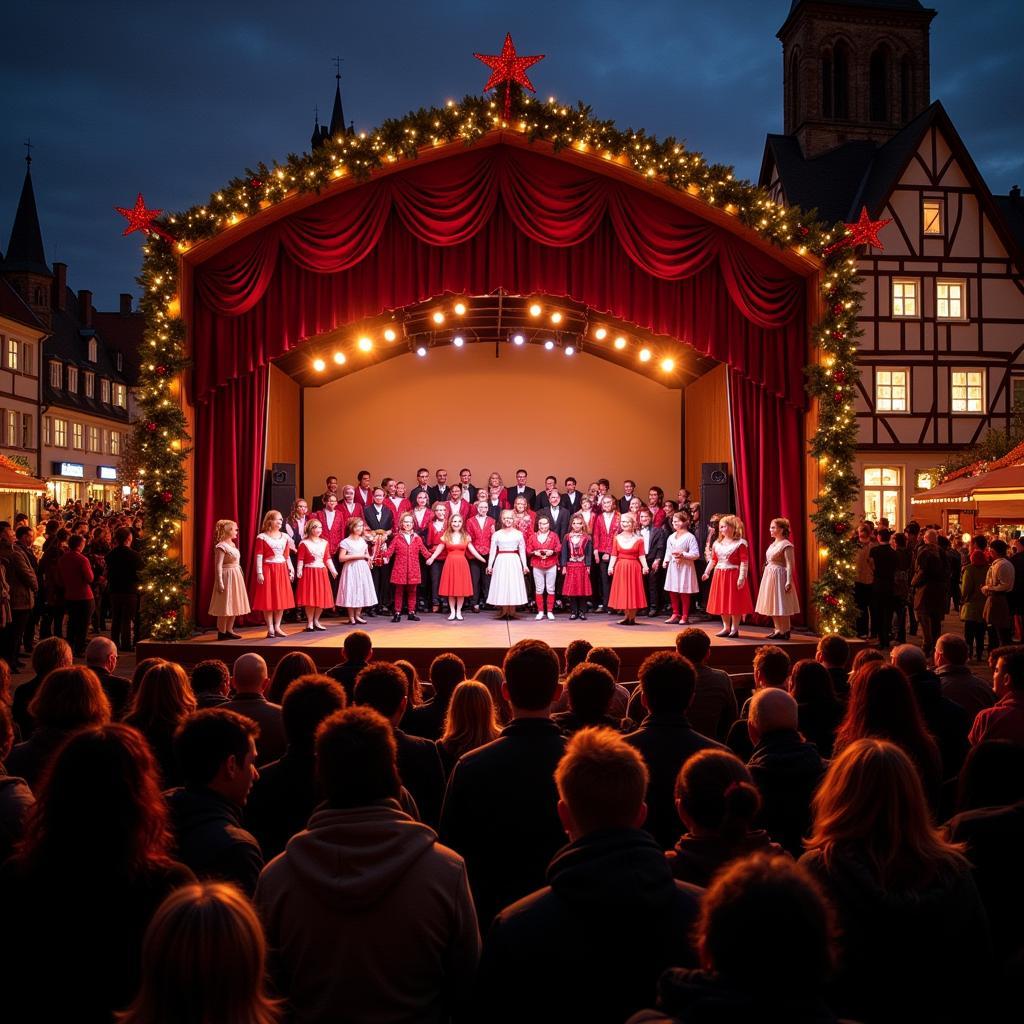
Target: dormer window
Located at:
point(90, 384)
point(56, 374)
point(73, 379)
point(93, 350)
point(119, 361)
point(105, 391)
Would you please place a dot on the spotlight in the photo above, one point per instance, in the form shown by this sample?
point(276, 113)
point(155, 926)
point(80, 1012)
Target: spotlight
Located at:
point(339, 358)
point(570, 350)
point(549, 344)
point(600, 334)
point(421, 351)
point(556, 318)
point(389, 334)
point(518, 339)
point(645, 355)
point(319, 365)
point(535, 309)
point(438, 317)
point(458, 341)
point(365, 344)
point(620, 342)
point(460, 308)
point(668, 365)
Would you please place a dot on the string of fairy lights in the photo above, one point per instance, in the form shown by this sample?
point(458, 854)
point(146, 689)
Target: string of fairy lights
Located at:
point(160, 439)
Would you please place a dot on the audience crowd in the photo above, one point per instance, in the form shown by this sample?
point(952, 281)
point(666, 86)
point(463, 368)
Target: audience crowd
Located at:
point(544, 842)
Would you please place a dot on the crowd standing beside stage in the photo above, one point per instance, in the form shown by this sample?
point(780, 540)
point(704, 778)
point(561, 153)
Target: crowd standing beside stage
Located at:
point(540, 842)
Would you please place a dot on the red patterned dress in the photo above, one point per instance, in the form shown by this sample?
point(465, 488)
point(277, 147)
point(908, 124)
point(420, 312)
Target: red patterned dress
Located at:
point(628, 589)
point(730, 581)
point(576, 559)
point(314, 589)
point(275, 592)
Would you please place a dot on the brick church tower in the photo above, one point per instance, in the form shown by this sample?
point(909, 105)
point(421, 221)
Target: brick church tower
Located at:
point(854, 70)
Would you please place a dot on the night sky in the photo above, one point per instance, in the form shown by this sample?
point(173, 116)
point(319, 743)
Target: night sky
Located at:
point(174, 98)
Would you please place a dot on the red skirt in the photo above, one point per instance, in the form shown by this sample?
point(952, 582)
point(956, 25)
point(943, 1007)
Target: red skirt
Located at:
point(627, 590)
point(314, 589)
point(275, 592)
point(725, 598)
point(455, 578)
point(577, 580)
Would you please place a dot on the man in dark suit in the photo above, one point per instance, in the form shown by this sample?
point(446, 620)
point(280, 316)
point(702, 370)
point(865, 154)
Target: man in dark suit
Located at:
point(379, 516)
point(440, 492)
point(469, 489)
point(628, 493)
point(422, 476)
point(557, 514)
point(550, 484)
point(330, 487)
point(382, 686)
point(501, 808)
point(101, 657)
point(655, 539)
point(521, 488)
point(571, 498)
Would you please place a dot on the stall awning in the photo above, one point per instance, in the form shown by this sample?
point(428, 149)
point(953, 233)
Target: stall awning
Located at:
point(948, 493)
point(12, 481)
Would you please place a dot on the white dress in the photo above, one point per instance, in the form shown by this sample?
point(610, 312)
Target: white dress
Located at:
point(355, 587)
point(772, 598)
point(681, 576)
point(506, 562)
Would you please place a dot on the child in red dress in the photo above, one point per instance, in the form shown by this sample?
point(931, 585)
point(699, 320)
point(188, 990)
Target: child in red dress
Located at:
point(314, 569)
point(456, 582)
point(272, 593)
point(404, 555)
point(544, 548)
point(576, 561)
point(435, 531)
point(627, 568)
point(730, 594)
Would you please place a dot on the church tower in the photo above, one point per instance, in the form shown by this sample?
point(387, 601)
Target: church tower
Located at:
point(854, 70)
point(25, 265)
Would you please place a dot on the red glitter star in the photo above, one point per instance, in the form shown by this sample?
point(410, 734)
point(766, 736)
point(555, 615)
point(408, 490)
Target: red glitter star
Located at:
point(862, 232)
point(141, 219)
point(508, 67)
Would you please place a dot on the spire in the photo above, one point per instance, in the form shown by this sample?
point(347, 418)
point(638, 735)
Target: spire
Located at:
point(316, 140)
point(337, 114)
point(25, 249)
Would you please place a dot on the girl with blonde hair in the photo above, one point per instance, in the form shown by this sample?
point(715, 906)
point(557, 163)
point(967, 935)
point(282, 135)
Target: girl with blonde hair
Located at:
point(456, 582)
point(272, 594)
point(729, 565)
point(229, 599)
point(469, 723)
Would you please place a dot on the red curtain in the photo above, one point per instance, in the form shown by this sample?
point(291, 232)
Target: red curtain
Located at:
point(230, 442)
point(492, 217)
point(768, 469)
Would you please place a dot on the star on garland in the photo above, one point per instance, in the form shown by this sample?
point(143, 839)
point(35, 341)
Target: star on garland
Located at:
point(508, 67)
point(141, 219)
point(861, 232)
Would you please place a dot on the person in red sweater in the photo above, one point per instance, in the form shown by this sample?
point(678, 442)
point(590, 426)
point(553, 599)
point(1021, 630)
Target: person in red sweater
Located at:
point(77, 576)
point(1004, 721)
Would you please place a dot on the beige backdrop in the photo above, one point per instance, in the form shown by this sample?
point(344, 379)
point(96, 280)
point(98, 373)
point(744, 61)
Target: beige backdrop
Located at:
point(550, 414)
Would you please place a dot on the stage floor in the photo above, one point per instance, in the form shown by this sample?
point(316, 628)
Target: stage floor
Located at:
point(479, 640)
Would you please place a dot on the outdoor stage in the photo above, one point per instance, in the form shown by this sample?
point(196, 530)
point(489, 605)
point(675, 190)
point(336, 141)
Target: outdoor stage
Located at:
point(479, 640)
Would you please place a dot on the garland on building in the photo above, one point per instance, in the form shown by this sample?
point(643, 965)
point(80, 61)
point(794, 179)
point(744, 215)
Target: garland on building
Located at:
point(160, 434)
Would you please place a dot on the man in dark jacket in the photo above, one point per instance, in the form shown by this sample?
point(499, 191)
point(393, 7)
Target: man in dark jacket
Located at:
point(885, 562)
point(101, 657)
point(931, 589)
point(249, 680)
point(382, 686)
point(958, 683)
point(123, 567)
point(216, 752)
point(785, 768)
point(665, 738)
point(357, 648)
point(945, 719)
point(591, 945)
point(713, 708)
point(24, 585)
point(285, 794)
point(500, 810)
point(211, 683)
point(446, 672)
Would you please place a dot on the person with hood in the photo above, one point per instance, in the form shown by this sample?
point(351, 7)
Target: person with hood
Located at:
point(216, 753)
point(368, 916)
point(591, 945)
point(744, 978)
point(785, 768)
point(717, 802)
point(915, 942)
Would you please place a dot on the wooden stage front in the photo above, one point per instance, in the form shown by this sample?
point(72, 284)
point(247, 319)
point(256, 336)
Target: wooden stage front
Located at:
point(479, 640)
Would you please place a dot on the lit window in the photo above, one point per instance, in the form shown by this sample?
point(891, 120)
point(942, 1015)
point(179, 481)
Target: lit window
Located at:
point(77, 436)
point(904, 297)
point(56, 374)
point(60, 433)
point(891, 391)
point(90, 384)
point(13, 426)
point(94, 439)
point(120, 396)
point(931, 216)
point(968, 391)
point(93, 350)
point(105, 391)
point(73, 379)
point(949, 300)
point(12, 354)
point(47, 430)
point(883, 494)
point(115, 442)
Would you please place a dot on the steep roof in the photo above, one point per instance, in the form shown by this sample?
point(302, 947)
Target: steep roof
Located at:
point(14, 308)
point(337, 114)
point(25, 249)
point(895, 5)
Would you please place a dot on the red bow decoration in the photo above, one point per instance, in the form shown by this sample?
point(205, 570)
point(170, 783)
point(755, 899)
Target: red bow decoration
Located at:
point(141, 219)
point(508, 67)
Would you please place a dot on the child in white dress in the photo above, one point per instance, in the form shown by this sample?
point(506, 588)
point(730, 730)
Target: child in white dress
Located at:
point(355, 588)
point(681, 554)
point(508, 589)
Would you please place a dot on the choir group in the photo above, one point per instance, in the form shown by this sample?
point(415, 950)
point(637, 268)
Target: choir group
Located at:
point(378, 550)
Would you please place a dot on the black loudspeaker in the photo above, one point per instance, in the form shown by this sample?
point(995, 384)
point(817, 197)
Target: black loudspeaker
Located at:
point(715, 490)
point(279, 492)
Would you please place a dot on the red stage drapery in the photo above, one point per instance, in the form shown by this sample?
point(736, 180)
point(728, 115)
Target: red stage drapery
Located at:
point(494, 217)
